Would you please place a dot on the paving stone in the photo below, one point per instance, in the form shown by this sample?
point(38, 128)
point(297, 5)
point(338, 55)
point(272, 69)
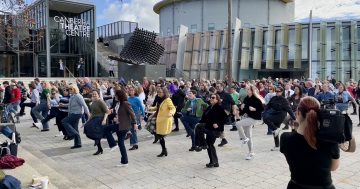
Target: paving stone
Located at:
point(180, 169)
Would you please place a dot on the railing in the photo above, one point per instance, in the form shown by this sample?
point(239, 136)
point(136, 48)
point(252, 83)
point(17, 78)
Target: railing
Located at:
point(70, 73)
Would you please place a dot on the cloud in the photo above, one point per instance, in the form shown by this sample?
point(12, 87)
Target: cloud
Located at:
point(140, 11)
point(327, 9)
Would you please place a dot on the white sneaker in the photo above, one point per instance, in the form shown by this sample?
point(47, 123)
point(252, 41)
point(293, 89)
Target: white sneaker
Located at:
point(275, 149)
point(114, 148)
point(122, 165)
point(59, 135)
point(276, 132)
point(38, 125)
point(250, 156)
point(246, 140)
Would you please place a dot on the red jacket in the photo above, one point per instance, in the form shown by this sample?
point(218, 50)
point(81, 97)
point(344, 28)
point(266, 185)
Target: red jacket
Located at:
point(15, 95)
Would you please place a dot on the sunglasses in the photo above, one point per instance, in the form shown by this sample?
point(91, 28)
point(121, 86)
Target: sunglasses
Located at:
point(213, 97)
point(279, 91)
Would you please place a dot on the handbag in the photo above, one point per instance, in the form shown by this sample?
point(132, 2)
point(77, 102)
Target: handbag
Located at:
point(151, 124)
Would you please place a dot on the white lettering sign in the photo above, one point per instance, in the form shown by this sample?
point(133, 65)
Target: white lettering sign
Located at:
point(74, 26)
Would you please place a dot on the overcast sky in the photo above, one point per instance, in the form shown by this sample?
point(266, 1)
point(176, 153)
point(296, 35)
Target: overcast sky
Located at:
point(142, 11)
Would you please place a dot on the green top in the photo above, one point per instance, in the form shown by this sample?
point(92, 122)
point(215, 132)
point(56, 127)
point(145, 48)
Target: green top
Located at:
point(45, 94)
point(98, 108)
point(242, 94)
point(199, 105)
point(235, 97)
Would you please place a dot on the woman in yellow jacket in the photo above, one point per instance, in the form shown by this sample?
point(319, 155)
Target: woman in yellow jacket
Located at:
point(165, 111)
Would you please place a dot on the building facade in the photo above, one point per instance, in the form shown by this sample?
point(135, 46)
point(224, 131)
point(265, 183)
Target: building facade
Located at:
point(293, 50)
point(211, 15)
point(67, 30)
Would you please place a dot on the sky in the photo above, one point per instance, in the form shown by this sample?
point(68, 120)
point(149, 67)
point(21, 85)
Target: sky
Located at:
point(141, 11)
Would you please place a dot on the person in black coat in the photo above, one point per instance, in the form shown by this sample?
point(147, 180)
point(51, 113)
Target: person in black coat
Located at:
point(7, 93)
point(212, 124)
point(275, 113)
point(178, 99)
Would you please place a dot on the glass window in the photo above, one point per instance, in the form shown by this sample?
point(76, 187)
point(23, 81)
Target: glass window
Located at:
point(358, 36)
point(304, 43)
point(168, 32)
point(265, 45)
point(211, 26)
point(277, 44)
point(330, 43)
point(346, 45)
point(193, 28)
point(315, 44)
point(178, 30)
point(291, 44)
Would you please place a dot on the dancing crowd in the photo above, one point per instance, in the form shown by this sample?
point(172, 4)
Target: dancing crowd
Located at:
point(104, 107)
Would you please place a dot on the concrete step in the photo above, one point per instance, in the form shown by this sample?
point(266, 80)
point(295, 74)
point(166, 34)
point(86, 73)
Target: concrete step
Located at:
point(35, 167)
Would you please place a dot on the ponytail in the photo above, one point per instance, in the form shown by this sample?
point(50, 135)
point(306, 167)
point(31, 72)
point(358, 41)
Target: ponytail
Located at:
point(311, 128)
point(308, 108)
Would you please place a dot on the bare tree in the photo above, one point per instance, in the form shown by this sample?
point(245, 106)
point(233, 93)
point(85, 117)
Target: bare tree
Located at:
point(18, 31)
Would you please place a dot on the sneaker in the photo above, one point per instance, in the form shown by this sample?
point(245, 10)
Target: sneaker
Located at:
point(354, 113)
point(275, 149)
point(245, 141)
point(276, 132)
point(122, 165)
point(113, 148)
point(223, 142)
point(59, 135)
point(250, 156)
point(38, 125)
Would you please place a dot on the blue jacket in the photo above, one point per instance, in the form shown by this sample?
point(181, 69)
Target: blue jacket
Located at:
point(137, 105)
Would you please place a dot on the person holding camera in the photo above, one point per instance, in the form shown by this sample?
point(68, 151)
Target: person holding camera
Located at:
point(310, 160)
point(342, 99)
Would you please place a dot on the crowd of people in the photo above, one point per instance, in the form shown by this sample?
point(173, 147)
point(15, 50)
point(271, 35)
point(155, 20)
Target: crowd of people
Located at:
point(203, 106)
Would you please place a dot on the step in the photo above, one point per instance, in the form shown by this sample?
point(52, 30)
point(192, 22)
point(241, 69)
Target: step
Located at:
point(35, 167)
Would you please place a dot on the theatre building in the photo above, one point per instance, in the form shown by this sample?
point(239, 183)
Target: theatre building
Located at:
point(62, 30)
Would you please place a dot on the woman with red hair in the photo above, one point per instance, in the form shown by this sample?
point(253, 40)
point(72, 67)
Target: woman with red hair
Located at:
point(310, 160)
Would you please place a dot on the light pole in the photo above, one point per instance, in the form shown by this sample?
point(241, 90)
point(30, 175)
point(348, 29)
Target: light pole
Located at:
point(229, 68)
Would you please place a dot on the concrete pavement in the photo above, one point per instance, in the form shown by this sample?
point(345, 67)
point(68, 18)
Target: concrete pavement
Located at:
point(51, 156)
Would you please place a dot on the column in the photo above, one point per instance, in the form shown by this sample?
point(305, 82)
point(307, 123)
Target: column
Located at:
point(235, 50)
point(284, 47)
point(338, 50)
point(48, 57)
point(354, 51)
point(258, 42)
point(322, 46)
point(298, 46)
point(245, 48)
point(181, 48)
point(270, 48)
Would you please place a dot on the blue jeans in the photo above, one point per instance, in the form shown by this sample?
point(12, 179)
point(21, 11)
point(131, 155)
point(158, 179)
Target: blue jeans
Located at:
point(121, 140)
point(71, 125)
point(189, 122)
point(133, 137)
point(53, 112)
point(43, 108)
point(13, 107)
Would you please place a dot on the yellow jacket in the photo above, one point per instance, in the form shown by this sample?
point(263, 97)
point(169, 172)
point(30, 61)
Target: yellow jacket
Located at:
point(164, 123)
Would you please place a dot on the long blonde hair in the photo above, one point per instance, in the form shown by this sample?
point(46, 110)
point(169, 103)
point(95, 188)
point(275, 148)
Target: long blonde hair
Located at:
point(255, 92)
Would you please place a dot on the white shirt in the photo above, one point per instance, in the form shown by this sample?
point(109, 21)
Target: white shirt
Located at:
point(288, 93)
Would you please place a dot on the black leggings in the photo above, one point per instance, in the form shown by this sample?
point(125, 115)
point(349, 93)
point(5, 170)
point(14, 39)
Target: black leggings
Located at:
point(162, 141)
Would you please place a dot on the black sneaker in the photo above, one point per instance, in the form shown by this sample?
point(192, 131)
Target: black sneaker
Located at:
point(233, 129)
point(223, 142)
point(192, 149)
point(354, 113)
point(175, 130)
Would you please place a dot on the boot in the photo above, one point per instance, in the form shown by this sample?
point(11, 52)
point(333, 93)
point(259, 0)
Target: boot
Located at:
point(156, 139)
point(233, 128)
point(99, 151)
point(223, 142)
point(163, 153)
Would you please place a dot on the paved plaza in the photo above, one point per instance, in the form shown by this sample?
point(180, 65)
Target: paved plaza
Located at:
point(51, 156)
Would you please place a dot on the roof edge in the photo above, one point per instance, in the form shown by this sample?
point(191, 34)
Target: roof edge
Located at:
point(163, 3)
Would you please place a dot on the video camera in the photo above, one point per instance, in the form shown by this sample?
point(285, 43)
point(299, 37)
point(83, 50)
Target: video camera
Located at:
point(335, 127)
